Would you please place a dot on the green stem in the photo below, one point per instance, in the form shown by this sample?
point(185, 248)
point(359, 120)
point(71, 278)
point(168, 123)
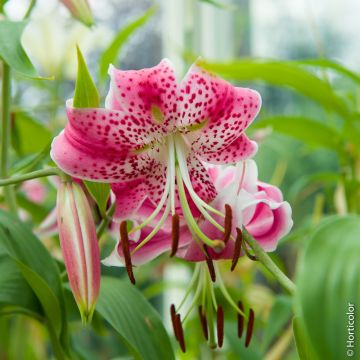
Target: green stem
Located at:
point(31, 175)
point(30, 9)
point(5, 139)
point(56, 346)
point(265, 259)
point(105, 221)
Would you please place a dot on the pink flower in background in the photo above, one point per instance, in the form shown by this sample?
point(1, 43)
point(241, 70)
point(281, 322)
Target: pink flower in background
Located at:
point(152, 137)
point(257, 206)
point(79, 246)
point(35, 190)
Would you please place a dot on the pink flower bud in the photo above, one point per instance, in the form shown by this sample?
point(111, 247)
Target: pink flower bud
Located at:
point(80, 10)
point(79, 246)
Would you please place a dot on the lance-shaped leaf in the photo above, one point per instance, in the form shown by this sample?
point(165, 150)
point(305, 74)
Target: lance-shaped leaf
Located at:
point(137, 323)
point(328, 287)
point(11, 50)
point(111, 53)
point(38, 269)
point(86, 94)
point(282, 74)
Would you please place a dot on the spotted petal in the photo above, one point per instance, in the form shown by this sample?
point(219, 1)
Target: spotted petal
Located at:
point(148, 96)
point(95, 146)
point(240, 149)
point(212, 113)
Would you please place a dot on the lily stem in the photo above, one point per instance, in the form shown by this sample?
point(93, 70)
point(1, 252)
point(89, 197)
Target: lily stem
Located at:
point(265, 259)
point(31, 175)
point(105, 221)
point(5, 136)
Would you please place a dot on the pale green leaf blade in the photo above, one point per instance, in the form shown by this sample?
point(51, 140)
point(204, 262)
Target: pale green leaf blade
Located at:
point(36, 266)
point(328, 281)
point(100, 192)
point(111, 53)
point(11, 50)
point(332, 65)
point(307, 130)
point(137, 323)
point(281, 74)
point(14, 290)
point(29, 136)
point(86, 94)
point(303, 346)
point(280, 314)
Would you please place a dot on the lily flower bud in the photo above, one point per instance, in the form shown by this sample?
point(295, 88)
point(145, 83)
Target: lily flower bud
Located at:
point(80, 10)
point(79, 246)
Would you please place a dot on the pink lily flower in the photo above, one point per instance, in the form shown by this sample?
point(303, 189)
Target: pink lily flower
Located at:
point(257, 206)
point(79, 246)
point(161, 242)
point(153, 135)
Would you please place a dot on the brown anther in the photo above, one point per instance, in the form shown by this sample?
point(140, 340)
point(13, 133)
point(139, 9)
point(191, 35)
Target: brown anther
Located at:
point(203, 321)
point(250, 327)
point(180, 333)
point(227, 223)
point(125, 248)
point(210, 264)
point(220, 325)
point(175, 234)
point(237, 249)
point(173, 320)
point(240, 320)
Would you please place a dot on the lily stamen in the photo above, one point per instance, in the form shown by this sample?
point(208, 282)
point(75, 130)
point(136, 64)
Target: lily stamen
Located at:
point(227, 223)
point(250, 327)
point(125, 248)
point(173, 320)
point(203, 322)
point(220, 325)
point(237, 249)
point(180, 332)
point(210, 264)
point(240, 320)
point(175, 234)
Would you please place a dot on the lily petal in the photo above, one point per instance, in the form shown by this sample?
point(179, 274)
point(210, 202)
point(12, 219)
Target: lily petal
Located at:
point(213, 112)
point(240, 149)
point(148, 96)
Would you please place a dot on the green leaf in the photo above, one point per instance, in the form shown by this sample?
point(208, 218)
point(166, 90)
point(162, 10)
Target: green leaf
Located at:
point(29, 135)
point(86, 94)
point(328, 281)
point(281, 74)
point(217, 4)
point(309, 131)
point(329, 64)
point(237, 349)
point(30, 162)
point(110, 54)
point(280, 314)
point(303, 346)
point(100, 192)
point(137, 323)
point(11, 50)
point(37, 267)
point(14, 290)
